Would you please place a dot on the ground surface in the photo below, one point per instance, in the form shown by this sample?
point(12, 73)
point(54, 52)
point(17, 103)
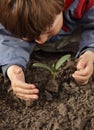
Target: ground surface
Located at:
point(69, 107)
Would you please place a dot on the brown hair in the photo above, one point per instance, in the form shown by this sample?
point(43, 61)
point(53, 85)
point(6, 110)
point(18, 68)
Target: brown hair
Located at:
point(29, 18)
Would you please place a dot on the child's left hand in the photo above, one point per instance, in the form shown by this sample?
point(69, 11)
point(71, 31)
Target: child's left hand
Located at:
point(84, 68)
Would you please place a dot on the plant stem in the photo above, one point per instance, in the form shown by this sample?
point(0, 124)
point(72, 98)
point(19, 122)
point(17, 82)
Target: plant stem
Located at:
point(54, 76)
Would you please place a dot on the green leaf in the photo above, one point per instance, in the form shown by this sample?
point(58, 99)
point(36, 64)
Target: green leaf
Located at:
point(61, 61)
point(42, 66)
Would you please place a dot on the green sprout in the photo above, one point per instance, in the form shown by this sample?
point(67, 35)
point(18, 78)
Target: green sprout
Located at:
point(54, 68)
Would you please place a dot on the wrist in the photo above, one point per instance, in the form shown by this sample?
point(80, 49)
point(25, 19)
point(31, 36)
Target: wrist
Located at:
point(11, 70)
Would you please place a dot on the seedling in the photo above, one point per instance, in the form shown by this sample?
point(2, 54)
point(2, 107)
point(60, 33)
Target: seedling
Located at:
point(55, 66)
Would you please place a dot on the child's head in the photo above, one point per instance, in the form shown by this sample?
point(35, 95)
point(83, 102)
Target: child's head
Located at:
point(30, 18)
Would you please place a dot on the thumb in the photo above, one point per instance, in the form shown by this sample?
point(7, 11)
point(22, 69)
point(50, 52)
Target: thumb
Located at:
point(81, 64)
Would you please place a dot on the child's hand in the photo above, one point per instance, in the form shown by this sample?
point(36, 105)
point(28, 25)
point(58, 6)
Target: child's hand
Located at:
point(84, 68)
point(20, 88)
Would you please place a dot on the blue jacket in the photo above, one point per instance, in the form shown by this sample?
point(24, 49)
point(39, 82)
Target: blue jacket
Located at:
point(77, 14)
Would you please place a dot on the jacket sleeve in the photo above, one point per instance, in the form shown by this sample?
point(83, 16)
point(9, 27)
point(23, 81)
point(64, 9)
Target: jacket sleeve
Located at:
point(13, 51)
point(87, 37)
point(80, 15)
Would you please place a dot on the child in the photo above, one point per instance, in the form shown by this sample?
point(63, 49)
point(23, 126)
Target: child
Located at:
point(25, 23)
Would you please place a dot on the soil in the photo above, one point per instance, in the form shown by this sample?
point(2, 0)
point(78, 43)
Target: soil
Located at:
point(68, 107)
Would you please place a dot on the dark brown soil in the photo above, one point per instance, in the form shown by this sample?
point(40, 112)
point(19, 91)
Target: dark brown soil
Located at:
point(69, 107)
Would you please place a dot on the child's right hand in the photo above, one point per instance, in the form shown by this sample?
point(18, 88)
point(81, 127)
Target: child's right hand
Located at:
point(20, 88)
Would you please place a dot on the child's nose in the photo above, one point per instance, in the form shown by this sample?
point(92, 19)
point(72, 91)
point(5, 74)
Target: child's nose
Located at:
point(42, 40)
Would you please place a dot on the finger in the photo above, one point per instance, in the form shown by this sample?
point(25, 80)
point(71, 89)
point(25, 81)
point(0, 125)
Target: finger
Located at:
point(84, 72)
point(27, 97)
point(81, 82)
point(87, 71)
point(81, 63)
point(81, 79)
point(25, 91)
point(23, 85)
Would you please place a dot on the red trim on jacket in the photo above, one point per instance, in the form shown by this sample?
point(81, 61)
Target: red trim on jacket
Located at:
point(67, 4)
point(66, 29)
point(82, 6)
point(90, 4)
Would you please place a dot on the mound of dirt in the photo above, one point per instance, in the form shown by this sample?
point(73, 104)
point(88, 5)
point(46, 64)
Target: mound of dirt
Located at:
point(69, 106)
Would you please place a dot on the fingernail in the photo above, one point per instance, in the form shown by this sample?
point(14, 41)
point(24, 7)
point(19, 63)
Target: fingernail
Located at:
point(35, 97)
